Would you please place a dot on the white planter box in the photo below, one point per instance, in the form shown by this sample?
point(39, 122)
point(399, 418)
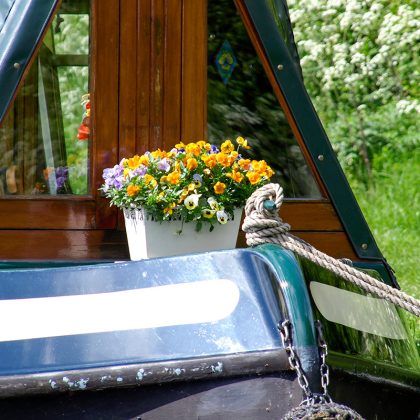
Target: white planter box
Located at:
point(150, 239)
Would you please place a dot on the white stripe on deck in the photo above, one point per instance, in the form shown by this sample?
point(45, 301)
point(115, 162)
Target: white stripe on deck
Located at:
point(153, 307)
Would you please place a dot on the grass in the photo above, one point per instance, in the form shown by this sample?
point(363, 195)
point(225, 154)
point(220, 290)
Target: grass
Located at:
point(391, 205)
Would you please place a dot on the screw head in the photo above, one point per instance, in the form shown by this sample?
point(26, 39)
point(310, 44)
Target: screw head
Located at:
point(364, 246)
point(321, 157)
point(280, 67)
point(16, 66)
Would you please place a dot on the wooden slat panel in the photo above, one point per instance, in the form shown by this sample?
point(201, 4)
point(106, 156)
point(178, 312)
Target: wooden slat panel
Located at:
point(334, 244)
point(157, 72)
point(104, 88)
point(128, 79)
point(172, 75)
point(310, 216)
point(194, 70)
point(63, 245)
point(47, 214)
point(142, 49)
point(99, 244)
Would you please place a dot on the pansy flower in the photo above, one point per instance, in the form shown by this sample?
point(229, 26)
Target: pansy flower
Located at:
point(191, 202)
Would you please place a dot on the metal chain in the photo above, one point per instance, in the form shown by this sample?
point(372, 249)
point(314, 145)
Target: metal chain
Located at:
point(286, 338)
point(323, 352)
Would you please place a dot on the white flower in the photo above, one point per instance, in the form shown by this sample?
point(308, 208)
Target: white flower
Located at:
point(191, 202)
point(222, 217)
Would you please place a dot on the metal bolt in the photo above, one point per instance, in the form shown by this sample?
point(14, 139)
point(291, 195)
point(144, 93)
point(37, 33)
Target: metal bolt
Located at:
point(280, 67)
point(16, 66)
point(320, 157)
point(364, 246)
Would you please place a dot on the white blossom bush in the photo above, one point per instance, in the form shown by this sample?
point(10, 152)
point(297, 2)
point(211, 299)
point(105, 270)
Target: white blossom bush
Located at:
point(361, 65)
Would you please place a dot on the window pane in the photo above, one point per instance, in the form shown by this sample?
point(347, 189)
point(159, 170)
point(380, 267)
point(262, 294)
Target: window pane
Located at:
point(241, 102)
point(44, 141)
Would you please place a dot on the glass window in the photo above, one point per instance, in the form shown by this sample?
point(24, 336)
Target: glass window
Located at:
point(241, 102)
point(44, 140)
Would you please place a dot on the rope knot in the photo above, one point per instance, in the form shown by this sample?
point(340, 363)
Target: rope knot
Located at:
point(262, 225)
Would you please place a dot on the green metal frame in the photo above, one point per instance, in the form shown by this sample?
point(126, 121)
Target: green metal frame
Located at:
point(266, 15)
point(21, 29)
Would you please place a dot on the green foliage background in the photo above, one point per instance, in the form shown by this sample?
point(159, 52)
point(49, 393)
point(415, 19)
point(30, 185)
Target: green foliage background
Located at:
point(361, 64)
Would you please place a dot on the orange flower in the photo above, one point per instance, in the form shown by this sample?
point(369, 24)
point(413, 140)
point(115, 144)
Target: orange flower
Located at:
point(244, 164)
point(132, 190)
point(169, 209)
point(254, 177)
point(219, 187)
point(193, 148)
point(134, 162)
point(223, 159)
point(149, 179)
point(173, 177)
point(209, 160)
point(191, 164)
point(144, 160)
point(236, 176)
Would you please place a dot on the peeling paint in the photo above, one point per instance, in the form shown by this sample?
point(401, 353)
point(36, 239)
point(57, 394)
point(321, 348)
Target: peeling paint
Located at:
point(178, 371)
point(106, 378)
point(53, 384)
point(217, 368)
point(119, 379)
point(140, 374)
point(82, 383)
point(67, 381)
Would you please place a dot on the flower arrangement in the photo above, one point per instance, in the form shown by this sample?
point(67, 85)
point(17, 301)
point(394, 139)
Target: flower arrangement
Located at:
point(193, 182)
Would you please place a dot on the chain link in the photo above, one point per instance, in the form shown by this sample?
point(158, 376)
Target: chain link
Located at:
point(323, 353)
point(284, 329)
point(285, 333)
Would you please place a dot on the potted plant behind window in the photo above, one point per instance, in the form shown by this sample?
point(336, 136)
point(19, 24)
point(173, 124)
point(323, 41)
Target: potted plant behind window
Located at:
point(189, 199)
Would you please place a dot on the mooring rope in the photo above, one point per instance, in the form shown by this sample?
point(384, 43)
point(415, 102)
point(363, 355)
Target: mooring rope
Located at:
point(265, 226)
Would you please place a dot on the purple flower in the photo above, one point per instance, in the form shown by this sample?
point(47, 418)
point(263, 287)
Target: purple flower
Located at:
point(140, 171)
point(213, 149)
point(61, 174)
point(164, 165)
point(114, 177)
point(198, 178)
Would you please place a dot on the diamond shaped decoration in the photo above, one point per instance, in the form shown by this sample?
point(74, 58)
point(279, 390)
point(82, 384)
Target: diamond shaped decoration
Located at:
point(225, 61)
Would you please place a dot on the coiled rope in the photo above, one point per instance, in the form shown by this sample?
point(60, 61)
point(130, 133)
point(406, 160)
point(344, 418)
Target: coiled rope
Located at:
point(265, 226)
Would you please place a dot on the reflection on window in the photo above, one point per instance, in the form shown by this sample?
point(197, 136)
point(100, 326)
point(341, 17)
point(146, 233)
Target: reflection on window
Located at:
point(241, 102)
point(40, 150)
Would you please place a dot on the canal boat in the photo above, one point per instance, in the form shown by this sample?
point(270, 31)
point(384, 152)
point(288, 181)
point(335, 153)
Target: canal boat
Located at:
point(244, 333)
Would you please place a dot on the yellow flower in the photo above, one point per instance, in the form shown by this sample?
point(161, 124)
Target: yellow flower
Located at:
point(169, 210)
point(191, 187)
point(180, 145)
point(254, 177)
point(208, 213)
point(191, 202)
point(236, 176)
point(242, 142)
point(134, 162)
point(209, 160)
point(158, 154)
point(219, 187)
point(193, 148)
point(244, 164)
point(144, 160)
point(173, 177)
point(149, 179)
point(223, 159)
point(191, 164)
point(227, 147)
point(132, 190)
